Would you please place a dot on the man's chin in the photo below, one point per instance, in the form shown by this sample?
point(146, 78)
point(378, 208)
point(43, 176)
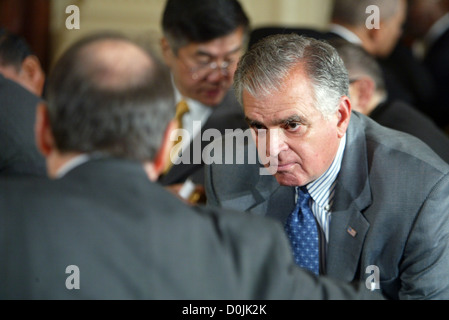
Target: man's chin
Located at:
point(286, 179)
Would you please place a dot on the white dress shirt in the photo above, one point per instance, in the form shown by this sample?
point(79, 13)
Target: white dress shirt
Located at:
point(322, 191)
point(193, 120)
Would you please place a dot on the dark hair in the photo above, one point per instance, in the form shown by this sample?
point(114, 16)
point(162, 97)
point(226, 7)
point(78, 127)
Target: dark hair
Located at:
point(90, 113)
point(13, 49)
point(186, 21)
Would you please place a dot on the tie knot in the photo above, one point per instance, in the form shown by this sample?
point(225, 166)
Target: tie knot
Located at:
point(303, 195)
point(302, 192)
point(181, 109)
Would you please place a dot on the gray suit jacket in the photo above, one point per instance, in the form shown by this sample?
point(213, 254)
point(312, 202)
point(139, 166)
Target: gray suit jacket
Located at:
point(131, 239)
point(392, 190)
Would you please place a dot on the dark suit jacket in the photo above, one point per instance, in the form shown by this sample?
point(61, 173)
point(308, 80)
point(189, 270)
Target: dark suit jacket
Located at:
point(131, 239)
point(407, 79)
point(437, 61)
point(392, 189)
point(400, 116)
point(227, 115)
point(18, 154)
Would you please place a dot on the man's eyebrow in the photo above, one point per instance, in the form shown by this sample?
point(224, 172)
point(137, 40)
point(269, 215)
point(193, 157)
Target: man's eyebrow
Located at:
point(294, 118)
point(276, 122)
point(201, 52)
point(252, 123)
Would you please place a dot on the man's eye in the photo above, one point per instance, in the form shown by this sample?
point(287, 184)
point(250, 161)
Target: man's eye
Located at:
point(256, 126)
point(292, 126)
point(203, 62)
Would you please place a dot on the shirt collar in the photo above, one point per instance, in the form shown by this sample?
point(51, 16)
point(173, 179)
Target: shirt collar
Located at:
point(197, 110)
point(345, 33)
point(437, 29)
point(72, 164)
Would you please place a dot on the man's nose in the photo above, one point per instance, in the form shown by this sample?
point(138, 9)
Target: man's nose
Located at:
point(217, 75)
point(276, 142)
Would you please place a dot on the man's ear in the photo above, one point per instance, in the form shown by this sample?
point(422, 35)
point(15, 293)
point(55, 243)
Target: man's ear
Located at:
point(42, 130)
point(364, 88)
point(167, 52)
point(34, 75)
point(374, 34)
point(344, 115)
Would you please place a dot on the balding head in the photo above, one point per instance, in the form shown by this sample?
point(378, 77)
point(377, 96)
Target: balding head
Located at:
point(107, 94)
point(115, 64)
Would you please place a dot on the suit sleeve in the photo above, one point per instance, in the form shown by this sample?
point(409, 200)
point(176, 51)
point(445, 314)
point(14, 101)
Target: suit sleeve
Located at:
point(425, 268)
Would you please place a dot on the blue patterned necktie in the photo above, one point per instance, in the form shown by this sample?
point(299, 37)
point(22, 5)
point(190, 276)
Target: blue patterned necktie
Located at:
point(301, 228)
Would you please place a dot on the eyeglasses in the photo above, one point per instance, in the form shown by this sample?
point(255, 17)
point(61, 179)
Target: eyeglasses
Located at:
point(203, 70)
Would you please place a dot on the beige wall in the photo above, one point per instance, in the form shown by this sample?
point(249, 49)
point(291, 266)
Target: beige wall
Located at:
point(141, 18)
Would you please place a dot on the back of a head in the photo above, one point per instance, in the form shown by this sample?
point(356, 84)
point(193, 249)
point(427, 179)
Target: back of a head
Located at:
point(263, 68)
point(353, 12)
point(186, 21)
point(107, 94)
point(13, 49)
point(359, 63)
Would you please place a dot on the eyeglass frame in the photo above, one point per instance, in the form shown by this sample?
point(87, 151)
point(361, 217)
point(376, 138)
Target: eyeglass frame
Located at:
point(224, 68)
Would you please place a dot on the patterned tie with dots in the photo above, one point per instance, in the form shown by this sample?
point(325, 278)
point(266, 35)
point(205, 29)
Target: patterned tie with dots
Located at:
point(301, 228)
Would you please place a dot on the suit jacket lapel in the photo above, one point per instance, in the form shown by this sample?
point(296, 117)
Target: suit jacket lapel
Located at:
point(255, 200)
point(348, 226)
point(267, 198)
point(271, 199)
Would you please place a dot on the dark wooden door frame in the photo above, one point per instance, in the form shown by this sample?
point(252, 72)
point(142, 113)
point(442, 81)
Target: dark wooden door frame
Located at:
point(31, 20)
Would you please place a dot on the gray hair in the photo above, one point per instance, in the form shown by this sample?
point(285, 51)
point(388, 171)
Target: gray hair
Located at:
point(353, 12)
point(358, 62)
point(262, 69)
point(97, 106)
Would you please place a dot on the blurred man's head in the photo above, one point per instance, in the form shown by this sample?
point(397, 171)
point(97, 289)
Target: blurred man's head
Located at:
point(423, 14)
point(294, 94)
point(18, 63)
point(105, 95)
point(203, 41)
point(352, 14)
point(366, 82)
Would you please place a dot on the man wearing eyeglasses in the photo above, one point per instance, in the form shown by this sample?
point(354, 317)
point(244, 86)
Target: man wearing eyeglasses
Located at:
point(203, 41)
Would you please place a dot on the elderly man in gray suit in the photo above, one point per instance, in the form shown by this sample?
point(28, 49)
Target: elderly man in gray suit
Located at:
point(357, 200)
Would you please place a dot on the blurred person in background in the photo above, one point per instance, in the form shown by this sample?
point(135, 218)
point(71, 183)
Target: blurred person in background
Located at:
point(428, 30)
point(203, 41)
point(18, 63)
point(370, 97)
point(406, 79)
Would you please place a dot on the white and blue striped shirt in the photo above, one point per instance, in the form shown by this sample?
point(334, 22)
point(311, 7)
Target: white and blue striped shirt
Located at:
point(322, 191)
